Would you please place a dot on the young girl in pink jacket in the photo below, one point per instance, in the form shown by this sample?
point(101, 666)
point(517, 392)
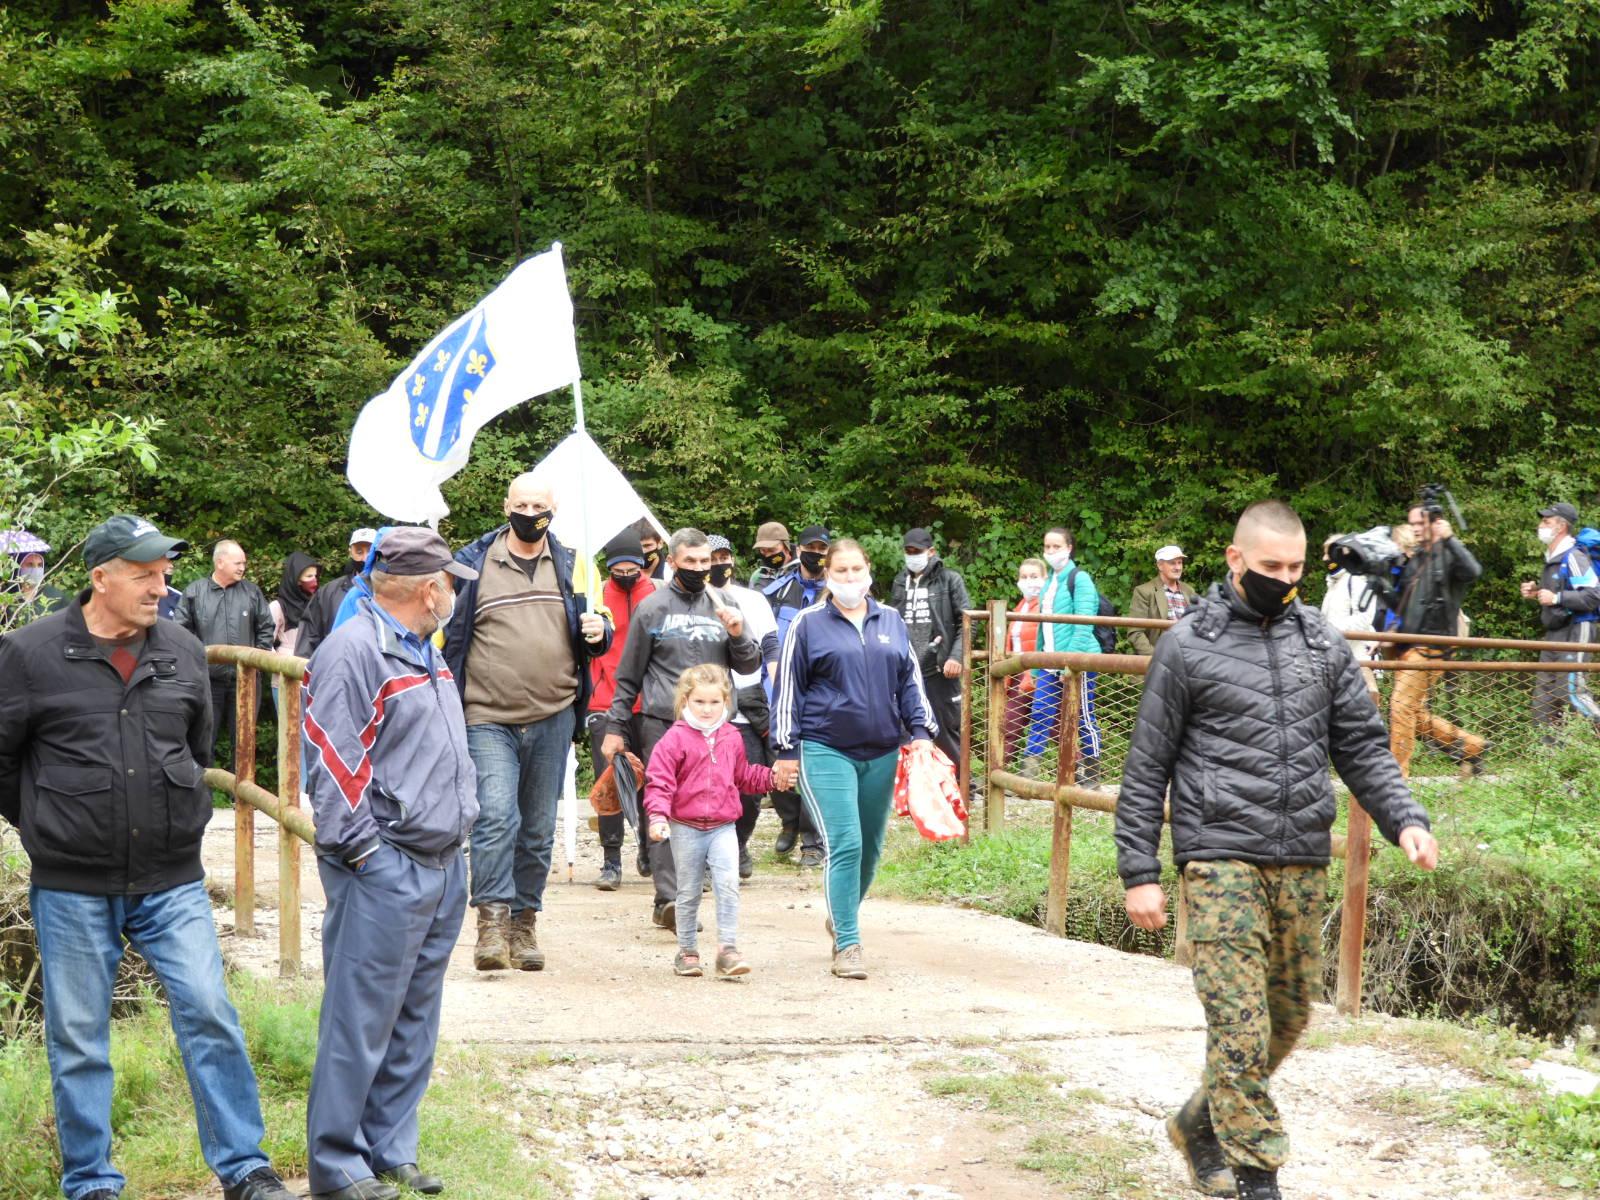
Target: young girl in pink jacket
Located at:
point(691, 791)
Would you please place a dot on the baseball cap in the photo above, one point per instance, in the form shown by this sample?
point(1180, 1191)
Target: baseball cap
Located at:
point(717, 542)
point(1565, 511)
point(918, 538)
point(815, 533)
point(417, 550)
point(1167, 553)
point(363, 535)
point(770, 532)
point(130, 537)
point(625, 548)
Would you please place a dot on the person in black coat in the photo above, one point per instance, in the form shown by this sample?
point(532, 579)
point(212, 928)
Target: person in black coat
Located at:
point(1245, 702)
point(105, 730)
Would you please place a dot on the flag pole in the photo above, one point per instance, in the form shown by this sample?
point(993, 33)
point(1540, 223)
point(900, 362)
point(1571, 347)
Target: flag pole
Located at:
point(569, 791)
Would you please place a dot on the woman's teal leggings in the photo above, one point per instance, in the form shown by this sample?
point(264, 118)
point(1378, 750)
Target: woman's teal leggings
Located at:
point(849, 803)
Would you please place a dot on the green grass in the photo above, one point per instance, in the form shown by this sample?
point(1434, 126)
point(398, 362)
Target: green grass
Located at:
point(154, 1141)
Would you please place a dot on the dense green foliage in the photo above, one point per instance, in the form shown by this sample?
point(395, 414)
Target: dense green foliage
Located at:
point(977, 264)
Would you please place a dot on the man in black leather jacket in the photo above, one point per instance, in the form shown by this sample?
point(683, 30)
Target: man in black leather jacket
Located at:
point(105, 728)
point(1245, 702)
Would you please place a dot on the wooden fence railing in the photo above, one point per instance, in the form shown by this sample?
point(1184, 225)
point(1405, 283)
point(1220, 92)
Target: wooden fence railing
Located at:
point(984, 684)
point(294, 825)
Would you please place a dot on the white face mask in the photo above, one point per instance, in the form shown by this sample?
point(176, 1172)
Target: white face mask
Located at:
point(705, 726)
point(1030, 588)
point(1057, 558)
point(917, 563)
point(850, 595)
point(1546, 534)
point(31, 576)
point(445, 619)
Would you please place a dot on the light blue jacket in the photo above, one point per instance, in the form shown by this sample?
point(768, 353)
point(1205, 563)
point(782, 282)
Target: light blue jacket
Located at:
point(1084, 601)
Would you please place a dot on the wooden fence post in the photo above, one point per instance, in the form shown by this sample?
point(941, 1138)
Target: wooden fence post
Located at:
point(994, 798)
point(288, 843)
point(244, 817)
point(1353, 916)
point(1055, 908)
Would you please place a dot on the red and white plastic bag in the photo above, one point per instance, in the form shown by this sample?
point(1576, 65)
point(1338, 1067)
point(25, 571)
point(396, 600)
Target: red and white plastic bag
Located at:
point(926, 790)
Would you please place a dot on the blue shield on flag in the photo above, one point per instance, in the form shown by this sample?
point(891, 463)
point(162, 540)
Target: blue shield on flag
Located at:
point(441, 386)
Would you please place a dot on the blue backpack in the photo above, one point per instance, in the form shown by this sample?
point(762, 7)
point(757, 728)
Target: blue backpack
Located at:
point(1588, 540)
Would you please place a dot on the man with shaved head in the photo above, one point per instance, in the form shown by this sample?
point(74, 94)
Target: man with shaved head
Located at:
point(226, 609)
point(1245, 702)
point(519, 643)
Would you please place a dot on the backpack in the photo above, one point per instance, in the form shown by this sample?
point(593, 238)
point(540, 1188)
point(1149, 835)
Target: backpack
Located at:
point(1106, 635)
point(1587, 539)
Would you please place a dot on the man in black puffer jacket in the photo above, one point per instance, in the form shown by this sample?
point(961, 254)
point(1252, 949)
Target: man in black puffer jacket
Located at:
point(1245, 702)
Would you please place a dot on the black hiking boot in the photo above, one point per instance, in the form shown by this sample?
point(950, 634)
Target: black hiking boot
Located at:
point(1189, 1129)
point(786, 839)
point(1256, 1184)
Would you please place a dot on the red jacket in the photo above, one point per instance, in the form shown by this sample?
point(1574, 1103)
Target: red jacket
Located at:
point(621, 603)
point(1021, 636)
point(697, 780)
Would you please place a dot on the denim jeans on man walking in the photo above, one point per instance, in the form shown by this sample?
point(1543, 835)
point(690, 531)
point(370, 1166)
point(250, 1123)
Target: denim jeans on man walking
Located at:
point(80, 944)
point(520, 772)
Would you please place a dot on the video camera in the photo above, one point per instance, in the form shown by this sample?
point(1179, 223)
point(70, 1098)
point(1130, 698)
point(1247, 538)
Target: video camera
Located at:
point(1373, 554)
point(1430, 494)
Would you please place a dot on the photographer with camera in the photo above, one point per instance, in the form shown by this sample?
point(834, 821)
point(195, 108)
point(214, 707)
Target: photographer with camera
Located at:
point(1432, 584)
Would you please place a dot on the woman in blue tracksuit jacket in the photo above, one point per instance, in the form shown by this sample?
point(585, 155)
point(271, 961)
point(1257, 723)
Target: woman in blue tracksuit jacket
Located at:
point(848, 688)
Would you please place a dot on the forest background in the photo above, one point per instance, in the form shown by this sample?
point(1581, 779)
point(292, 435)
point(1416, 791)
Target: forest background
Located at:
point(982, 266)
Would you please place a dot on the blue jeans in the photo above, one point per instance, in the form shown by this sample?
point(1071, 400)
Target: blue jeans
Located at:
point(520, 772)
point(80, 944)
point(693, 851)
point(849, 804)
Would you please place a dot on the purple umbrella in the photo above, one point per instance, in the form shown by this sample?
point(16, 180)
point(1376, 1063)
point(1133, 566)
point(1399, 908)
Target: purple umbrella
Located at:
point(19, 542)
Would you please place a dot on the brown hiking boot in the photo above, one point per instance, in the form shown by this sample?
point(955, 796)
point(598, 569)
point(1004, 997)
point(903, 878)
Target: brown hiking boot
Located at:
point(1190, 1131)
point(730, 963)
point(848, 963)
point(524, 942)
point(492, 952)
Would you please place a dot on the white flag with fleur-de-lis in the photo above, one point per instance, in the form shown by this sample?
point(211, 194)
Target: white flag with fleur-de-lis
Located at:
point(514, 344)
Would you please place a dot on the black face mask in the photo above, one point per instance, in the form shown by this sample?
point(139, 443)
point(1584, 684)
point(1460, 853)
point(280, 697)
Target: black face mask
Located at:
point(811, 560)
point(1269, 597)
point(692, 579)
point(721, 575)
point(530, 527)
point(776, 559)
point(651, 559)
point(625, 582)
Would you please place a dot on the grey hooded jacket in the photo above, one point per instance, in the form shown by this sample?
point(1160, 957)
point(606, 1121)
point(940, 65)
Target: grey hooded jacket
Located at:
point(1240, 716)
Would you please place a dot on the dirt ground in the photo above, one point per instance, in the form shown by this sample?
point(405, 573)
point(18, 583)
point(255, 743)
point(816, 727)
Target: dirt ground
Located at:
point(634, 1083)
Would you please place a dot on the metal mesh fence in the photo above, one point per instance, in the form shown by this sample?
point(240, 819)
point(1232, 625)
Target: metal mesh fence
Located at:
point(1479, 719)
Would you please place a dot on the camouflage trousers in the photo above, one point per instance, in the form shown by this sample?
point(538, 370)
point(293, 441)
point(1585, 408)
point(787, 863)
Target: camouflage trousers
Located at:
point(1257, 934)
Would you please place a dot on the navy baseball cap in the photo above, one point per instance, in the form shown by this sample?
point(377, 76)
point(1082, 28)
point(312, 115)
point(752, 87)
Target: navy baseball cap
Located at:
point(815, 533)
point(1565, 511)
point(130, 537)
point(417, 550)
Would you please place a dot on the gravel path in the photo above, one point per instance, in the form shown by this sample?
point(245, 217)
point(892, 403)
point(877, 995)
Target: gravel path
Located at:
point(638, 1084)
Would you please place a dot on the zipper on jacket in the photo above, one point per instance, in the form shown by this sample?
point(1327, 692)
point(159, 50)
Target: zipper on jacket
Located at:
point(1283, 738)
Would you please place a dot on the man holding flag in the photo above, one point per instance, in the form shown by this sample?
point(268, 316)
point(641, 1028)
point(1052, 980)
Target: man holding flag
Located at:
point(519, 643)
